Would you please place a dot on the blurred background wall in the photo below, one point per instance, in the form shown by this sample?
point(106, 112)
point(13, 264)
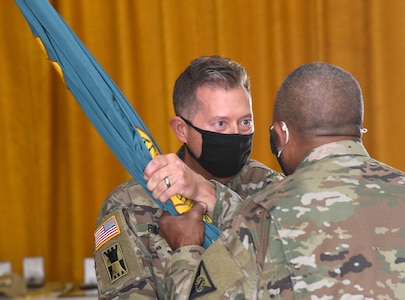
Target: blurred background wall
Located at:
point(55, 170)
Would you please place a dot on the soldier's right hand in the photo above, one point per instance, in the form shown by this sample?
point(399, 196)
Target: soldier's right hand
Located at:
point(167, 175)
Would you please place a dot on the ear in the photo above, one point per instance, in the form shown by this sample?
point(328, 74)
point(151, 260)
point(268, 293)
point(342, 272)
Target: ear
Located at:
point(180, 128)
point(280, 134)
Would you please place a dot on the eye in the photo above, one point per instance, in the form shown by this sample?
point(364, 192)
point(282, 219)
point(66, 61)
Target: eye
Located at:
point(246, 122)
point(220, 123)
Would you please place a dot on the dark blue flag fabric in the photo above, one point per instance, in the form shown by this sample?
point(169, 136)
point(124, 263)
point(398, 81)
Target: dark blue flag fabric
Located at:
point(100, 99)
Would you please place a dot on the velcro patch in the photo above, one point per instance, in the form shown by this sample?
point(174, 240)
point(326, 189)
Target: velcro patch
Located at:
point(122, 261)
point(202, 283)
point(220, 266)
point(106, 231)
point(115, 262)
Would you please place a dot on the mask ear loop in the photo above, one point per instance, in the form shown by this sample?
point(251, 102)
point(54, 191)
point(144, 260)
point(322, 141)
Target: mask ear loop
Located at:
point(284, 128)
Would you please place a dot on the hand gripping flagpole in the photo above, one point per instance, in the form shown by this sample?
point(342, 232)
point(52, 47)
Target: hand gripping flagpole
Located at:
point(101, 100)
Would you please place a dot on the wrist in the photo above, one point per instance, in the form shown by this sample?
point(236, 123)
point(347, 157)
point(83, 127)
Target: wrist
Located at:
point(206, 194)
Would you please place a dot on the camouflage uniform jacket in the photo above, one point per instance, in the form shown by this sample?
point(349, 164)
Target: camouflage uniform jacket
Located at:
point(335, 229)
point(131, 262)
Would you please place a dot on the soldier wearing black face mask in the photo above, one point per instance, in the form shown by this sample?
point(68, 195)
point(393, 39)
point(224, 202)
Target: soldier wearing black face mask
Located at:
point(332, 229)
point(212, 167)
point(223, 155)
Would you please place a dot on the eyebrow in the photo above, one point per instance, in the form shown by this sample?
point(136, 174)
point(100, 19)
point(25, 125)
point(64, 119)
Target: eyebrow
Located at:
point(248, 116)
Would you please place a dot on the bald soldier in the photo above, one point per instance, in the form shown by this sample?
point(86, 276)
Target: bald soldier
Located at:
point(333, 229)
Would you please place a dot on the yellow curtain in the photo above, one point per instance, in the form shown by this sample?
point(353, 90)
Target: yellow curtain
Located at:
point(55, 170)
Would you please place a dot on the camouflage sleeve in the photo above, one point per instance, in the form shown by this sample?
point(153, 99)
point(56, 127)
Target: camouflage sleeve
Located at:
point(126, 262)
point(180, 271)
point(228, 202)
point(253, 178)
point(225, 270)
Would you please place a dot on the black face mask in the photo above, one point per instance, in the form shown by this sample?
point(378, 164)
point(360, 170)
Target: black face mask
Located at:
point(223, 155)
point(273, 145)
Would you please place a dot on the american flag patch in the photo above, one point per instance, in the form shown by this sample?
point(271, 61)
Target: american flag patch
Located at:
point(106, 231)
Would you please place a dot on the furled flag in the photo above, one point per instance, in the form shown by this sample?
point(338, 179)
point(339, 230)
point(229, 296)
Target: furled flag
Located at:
point(100, 99)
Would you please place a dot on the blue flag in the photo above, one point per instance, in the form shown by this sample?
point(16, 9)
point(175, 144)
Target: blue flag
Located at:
point(101, 100)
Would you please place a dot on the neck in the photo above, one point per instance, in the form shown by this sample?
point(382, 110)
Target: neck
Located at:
point(321, 140)
point(303, 144)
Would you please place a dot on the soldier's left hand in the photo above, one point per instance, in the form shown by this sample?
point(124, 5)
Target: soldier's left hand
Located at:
point(183, 230)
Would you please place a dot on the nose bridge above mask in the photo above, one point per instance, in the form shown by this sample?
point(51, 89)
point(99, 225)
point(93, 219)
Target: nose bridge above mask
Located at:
point(234, 128)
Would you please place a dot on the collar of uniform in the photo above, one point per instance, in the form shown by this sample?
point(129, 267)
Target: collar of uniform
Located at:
point(181, 152)
point(339, 148)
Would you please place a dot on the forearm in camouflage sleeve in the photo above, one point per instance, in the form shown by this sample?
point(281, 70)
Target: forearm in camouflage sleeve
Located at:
point(253, 178)
point(180, 271)
point(226, 270)
point(227, 204)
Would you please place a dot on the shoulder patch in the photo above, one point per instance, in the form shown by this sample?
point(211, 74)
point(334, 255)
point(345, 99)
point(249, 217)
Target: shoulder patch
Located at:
point(202, 284)
point(106, 231)
point(114, 262)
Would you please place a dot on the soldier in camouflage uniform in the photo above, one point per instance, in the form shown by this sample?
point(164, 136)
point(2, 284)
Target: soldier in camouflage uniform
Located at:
point(334, 228)
point(214, 120)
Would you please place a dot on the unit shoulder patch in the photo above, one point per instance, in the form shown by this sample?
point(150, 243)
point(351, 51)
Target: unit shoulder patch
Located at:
point(114, 262)
point(202, 283)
